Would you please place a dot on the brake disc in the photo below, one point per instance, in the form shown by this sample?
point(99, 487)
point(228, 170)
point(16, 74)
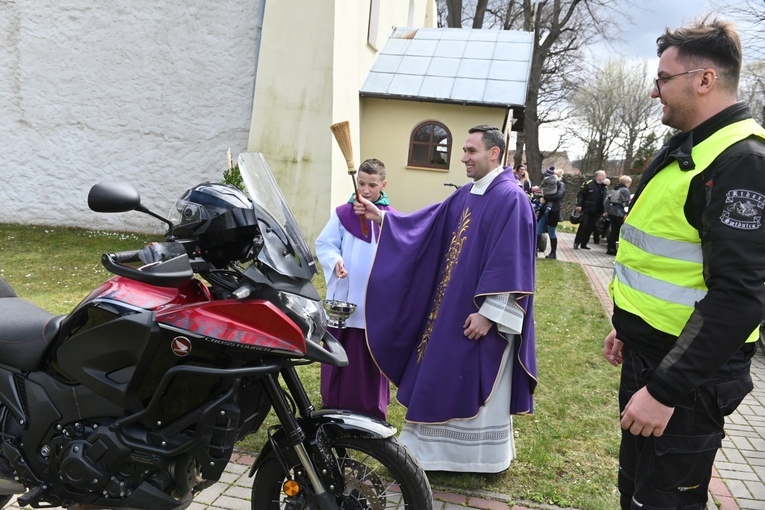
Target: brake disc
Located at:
point(363, 488)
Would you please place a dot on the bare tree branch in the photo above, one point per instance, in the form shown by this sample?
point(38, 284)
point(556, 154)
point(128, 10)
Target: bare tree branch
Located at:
point(638, 112)
point(561, 28)
point(614, 112)
point(751, 15)
point(752, 89)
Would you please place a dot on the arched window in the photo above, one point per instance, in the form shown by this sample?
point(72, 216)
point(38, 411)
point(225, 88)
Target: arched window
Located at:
point(430, 146)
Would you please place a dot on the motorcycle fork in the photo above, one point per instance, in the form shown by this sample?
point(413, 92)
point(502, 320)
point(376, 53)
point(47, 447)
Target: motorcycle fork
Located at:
point(294, 434)
point(297, 390)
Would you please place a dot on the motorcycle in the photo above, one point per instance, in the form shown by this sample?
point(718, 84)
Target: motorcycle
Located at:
point(136, 399)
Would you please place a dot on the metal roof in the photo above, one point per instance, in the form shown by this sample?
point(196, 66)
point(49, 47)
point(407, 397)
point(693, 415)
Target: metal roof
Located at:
point(454, 65)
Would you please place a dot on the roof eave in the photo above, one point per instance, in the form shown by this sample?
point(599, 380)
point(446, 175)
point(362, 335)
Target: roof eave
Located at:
point(461, 102)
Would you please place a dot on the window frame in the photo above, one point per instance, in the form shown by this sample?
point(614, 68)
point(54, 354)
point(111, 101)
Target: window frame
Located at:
point(431, 144)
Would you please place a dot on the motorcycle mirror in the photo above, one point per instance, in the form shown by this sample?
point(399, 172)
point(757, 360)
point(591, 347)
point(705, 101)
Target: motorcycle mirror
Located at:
point(120, 196)
point(113, 196)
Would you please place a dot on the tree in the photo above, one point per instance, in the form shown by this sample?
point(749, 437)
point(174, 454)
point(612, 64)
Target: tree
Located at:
point(751, 18)
point(613, 111)
point(752, 89)
point(645, 153)
point(453, 13)
point(561, 29)
point(751, 14)
point(595, 106)
point(638, 111)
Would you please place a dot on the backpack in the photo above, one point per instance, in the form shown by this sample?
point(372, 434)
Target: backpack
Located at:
point(614, 203)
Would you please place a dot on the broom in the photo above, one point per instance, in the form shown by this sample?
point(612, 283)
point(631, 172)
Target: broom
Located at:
point(342, 132)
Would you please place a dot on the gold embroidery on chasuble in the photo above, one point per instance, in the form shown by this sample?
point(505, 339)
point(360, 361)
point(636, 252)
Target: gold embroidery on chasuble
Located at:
point(450, 261)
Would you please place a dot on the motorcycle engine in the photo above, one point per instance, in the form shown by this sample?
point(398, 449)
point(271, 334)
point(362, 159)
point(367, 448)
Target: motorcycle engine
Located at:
point(89, 460)
point(89, 463)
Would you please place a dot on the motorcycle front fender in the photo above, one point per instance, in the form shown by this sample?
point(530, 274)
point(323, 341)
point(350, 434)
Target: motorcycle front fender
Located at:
point(352, 423)
point(333, 422)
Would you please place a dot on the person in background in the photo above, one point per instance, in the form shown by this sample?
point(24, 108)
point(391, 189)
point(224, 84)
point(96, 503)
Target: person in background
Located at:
point(589, 200)
point(549, 215)
point(346, 256)
point(688, 283)
point(549, 181)
point(452, 326)
point(522, 176)
point(596, 232)
point(548, 187)
point(615, 205)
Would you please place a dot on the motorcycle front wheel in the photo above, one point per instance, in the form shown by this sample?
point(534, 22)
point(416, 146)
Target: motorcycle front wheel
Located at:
point(378, 474)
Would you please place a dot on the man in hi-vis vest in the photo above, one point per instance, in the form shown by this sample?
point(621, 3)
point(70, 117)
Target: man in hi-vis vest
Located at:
point(688, 285)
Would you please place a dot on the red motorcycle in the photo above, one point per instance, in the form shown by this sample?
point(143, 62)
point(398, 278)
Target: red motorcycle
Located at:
point(136, 399)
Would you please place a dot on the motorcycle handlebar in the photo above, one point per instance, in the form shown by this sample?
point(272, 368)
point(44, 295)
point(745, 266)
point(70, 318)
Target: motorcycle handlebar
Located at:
point(123, 256)
point(173, 272)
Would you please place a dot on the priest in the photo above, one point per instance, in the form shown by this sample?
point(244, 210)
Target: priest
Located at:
point(450, 314)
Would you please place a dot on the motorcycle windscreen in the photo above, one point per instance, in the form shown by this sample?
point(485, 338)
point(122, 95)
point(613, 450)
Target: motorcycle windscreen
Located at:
point(285, 249)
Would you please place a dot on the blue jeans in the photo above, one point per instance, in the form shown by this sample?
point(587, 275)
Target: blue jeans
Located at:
point(543, 227)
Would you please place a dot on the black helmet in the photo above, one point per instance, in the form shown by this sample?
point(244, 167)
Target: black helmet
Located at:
point(219, 217)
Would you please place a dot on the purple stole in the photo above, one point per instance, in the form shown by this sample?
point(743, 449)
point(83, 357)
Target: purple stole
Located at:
point(352, 222)
point(433, 268)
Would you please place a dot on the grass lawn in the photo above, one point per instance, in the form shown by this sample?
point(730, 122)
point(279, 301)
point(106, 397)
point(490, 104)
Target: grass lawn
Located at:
point(567, 450)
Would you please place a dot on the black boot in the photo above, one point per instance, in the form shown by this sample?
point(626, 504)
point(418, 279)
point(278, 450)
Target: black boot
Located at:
point(539, 244)
point(553, 247)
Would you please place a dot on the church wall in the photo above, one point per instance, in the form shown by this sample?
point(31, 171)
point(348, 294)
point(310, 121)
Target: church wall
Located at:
point(149, 92)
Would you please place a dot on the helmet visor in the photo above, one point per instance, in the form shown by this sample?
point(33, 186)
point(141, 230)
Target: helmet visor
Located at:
point(188, 214)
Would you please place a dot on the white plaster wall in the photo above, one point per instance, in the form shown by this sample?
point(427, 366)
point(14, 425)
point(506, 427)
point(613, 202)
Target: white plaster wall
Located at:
point(139, 90)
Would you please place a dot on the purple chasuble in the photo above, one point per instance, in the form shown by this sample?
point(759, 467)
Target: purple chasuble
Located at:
point(432, 269)
point(352, 222)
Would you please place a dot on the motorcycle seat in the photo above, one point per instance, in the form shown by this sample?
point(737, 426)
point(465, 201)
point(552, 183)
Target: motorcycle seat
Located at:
point(25, 332)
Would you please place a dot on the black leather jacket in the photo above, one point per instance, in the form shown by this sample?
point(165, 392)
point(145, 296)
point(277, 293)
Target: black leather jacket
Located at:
point(590, 196)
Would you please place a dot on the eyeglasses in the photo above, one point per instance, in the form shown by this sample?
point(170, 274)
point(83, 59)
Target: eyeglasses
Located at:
point(665, 79)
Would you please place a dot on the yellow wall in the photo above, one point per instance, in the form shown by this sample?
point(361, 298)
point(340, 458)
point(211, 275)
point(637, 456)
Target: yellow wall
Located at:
point(314, 57)
point(385, 131)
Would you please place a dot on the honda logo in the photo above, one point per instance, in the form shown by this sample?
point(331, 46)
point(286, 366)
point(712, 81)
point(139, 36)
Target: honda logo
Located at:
point(181, 346)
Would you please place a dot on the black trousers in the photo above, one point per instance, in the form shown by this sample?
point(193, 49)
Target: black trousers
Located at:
point(586, 227)
point(673, 471)
point(616, 227)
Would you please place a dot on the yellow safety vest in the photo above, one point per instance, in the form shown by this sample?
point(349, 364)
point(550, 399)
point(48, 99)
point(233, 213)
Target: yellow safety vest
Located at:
point(658, 272)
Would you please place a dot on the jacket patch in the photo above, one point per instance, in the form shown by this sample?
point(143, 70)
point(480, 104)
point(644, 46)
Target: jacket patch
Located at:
point(744, 210)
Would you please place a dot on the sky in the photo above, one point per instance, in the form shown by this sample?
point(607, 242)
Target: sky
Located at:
point(650, 18)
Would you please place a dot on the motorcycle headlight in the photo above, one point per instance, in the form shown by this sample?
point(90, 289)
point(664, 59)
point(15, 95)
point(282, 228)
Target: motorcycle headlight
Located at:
point(307, 314)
